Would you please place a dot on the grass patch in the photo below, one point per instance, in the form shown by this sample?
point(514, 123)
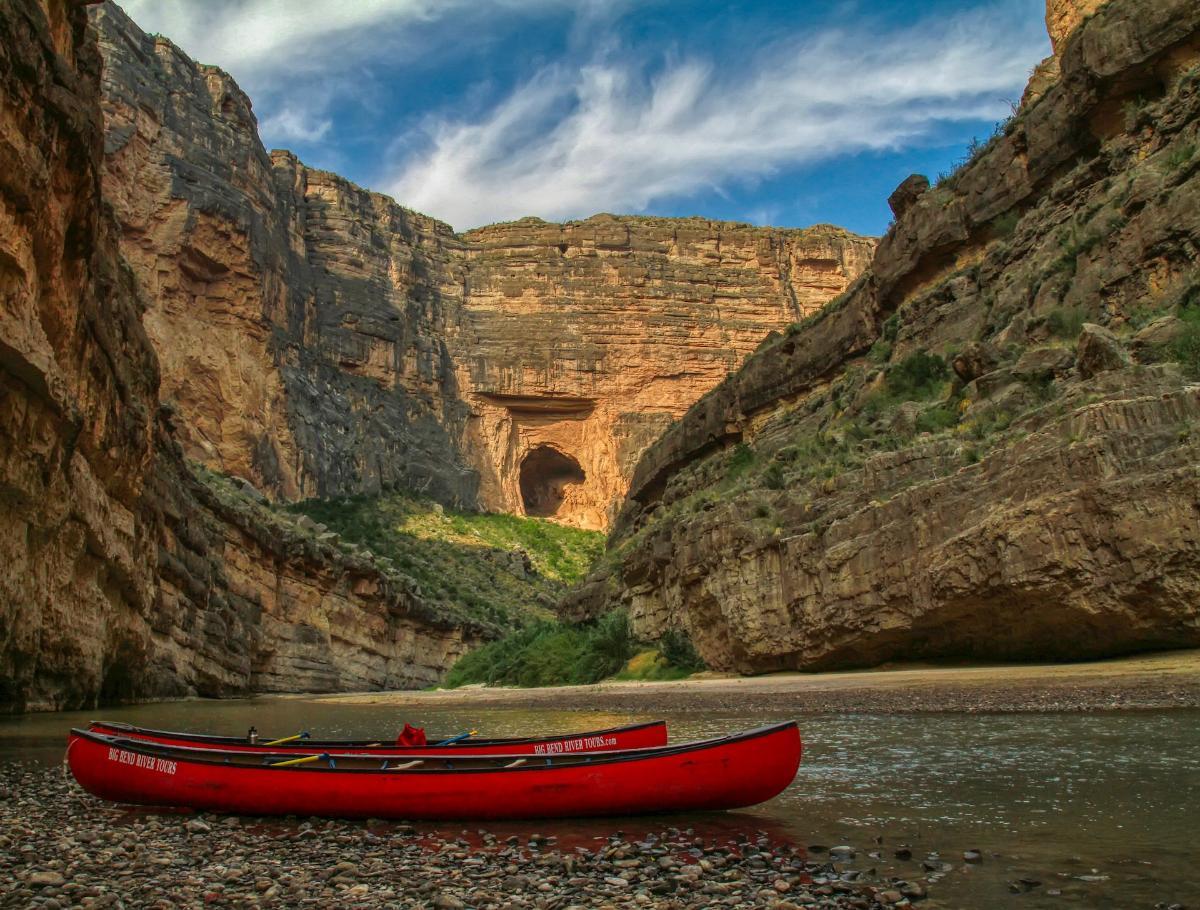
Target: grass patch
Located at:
point(936, 419)
point(1181, 156)
point(1185, 349)
point(1004, 225)
point(504, 568)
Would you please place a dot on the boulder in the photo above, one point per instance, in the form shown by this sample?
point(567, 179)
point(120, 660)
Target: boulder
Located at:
point(976, 359)
point(907, 193)
point(1157, 335)
point(1098, 350)
point(1043, 363)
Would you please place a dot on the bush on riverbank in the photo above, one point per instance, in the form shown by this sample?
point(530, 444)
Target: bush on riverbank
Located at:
point(560, 654)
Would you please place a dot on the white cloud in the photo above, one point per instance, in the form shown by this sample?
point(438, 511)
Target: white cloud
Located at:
point(574, 140)
point(261, 38)
point(299, 60)
point(294, 124)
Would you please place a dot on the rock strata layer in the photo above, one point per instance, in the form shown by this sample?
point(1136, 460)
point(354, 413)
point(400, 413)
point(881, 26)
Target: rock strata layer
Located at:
point(322, 340)
point(123, 575)
point(987, 447)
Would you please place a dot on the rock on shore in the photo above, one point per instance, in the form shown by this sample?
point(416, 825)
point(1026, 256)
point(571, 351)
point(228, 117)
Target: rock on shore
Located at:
point(60, 848)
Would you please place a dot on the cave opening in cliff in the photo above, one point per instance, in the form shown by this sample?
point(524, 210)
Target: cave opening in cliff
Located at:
point(545, 475)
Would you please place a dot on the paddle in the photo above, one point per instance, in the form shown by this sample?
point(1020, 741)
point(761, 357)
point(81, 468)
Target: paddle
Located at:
point(298, 761)
point(287, 739)
point(455, 739)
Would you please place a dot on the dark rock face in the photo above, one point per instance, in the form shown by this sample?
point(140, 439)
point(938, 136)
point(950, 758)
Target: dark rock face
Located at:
point(1099, 350)
point(1038, 501)
point(320, 339)
point(124, 576)
point(905, 196)
point(976, 359)
point(301, 321)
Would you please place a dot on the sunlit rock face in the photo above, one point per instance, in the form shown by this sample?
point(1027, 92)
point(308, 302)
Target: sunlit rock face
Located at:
point(589, 338)
point(1064, 16)
point(1039, 500)
point(320, 339)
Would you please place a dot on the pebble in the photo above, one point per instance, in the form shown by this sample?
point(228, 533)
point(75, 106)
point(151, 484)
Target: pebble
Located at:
point(60, 847)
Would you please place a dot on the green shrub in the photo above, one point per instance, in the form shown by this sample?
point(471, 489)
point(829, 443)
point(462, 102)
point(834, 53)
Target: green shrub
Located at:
point(1066, 322)
point(891, 327)
point(917, 376)
point(881, 351)
point(773, 476)
point(936, 419)
point(991, 423)
point(1186, 348)
point(560, 654)
point(679, 651)
point(609, 644)
point(1181, 156)
point(1004, 225)
point(741, 459)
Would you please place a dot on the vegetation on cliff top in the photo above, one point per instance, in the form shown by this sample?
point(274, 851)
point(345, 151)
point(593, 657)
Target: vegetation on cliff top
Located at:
point(506, 571)
point(989, 349)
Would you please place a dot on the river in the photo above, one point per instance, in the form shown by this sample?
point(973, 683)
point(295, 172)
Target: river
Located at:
point(1101, 809)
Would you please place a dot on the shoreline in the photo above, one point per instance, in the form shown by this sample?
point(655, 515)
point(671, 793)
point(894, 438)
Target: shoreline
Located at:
point(1147, 682)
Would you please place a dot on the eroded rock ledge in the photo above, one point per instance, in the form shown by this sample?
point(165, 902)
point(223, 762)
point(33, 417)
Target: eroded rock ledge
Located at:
point(122, 575)
point(846, 499)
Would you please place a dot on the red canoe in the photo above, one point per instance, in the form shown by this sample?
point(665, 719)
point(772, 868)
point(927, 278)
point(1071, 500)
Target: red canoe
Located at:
point(724, 773)
point(636, 736)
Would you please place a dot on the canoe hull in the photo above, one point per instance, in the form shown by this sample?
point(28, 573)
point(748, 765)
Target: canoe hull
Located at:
point(726, 774)
point(636, 736)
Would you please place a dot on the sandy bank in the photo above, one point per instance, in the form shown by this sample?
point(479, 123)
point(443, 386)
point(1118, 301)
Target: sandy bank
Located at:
point(1144, 682)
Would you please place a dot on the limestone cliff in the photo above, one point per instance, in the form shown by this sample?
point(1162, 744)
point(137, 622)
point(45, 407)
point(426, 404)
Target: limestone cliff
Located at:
point(300, 320)
point(582, 342)
point(987, 447)
point(123, 575)
point(320, 339)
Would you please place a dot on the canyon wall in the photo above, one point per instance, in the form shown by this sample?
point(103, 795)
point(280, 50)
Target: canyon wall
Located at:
point(319, 339)
point(988, 446)
point(300, 321)
point(582, 342)
point(125, 575)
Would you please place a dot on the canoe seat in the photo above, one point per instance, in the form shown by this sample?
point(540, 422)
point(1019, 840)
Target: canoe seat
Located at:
point(407, 765)
point(514, 764)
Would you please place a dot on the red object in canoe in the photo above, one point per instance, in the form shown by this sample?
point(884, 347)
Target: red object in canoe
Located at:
point(636, 736)
point(724, 773)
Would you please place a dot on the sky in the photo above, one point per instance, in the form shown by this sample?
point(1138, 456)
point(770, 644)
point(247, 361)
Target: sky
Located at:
point(781, 112)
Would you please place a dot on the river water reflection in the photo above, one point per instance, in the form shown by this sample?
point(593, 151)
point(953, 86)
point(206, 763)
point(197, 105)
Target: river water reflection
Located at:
point(1101, 808)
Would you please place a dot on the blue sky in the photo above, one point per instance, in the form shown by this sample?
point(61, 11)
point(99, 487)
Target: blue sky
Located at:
point(772, 112)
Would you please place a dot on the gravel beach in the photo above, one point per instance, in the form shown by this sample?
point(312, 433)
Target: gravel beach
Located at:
point(61, 848)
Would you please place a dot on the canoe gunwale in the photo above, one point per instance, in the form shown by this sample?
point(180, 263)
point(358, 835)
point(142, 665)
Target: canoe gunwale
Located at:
point(205, 740)
point(541, 763)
